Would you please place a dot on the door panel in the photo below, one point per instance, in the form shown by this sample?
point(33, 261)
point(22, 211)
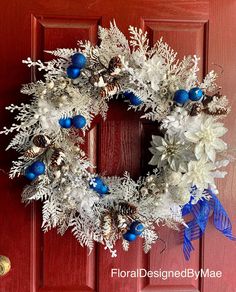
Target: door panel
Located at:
point(218, 252)
point(49, 262)
point(68, 266)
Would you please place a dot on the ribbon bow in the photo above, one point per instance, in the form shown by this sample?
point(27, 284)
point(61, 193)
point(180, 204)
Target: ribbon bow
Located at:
point(197, 226)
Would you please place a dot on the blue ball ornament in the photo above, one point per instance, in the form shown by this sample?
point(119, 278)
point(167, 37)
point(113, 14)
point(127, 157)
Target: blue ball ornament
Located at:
point(129, 236)
point(103, 190)
point(100, 187)
point(98, 181)
point(78, 60)
point(79, 122)
point(65, 123)
point(136, 228)
point(181, 96)
point(29, 174)
point(37, 168)
point(73, 72)
point(195, 94)
point(134, 100)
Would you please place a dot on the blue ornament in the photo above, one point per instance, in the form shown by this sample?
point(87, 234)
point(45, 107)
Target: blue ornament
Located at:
point(37, 168)
point(78, 60)
point(79, 122)
point(103, 190)
point(65, 123)
point(96, 180)
point(136, 228)
point(134, 100)
point(129, 236)
point(100, 187)
point(73, 72)
point(30, 175)
point(181, 96)
point(195, 94)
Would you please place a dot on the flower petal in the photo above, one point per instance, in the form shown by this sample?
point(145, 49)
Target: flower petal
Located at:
point(219, 145)
point(152, 150)
point(211, 154)
point(157, 140)
point(155, 160)
point(191, 137)
point(199, 151)
point(160, 148)
point(219, 131)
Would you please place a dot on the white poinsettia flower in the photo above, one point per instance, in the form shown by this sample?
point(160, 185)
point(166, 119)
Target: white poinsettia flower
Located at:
point(207, 138)
point(149, 71)
point(176, 122)
point(152, 70)
point(200, 173)
point(169, 151)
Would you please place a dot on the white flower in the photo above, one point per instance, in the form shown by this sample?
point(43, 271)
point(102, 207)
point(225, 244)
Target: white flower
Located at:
point(149, 71)
point(207, 139)
point(176, 122)
point(152, 70)
point(169, 150)
point(200, 173)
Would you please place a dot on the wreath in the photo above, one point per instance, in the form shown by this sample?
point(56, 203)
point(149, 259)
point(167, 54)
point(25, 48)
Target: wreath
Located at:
point(187, 157)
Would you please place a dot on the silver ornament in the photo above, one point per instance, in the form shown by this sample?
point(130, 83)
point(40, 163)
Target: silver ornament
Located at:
point(149, 178)
point(144, 191)
point(50, 85)
point(156, 191)
point(152, 186)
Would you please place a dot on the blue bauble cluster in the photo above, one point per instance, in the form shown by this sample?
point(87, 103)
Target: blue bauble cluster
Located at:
point(182, 96)
point(78, 122)
point(78, 63)
point(136, 228)
point(34, 170)
point(134, 100)
point(100, 187)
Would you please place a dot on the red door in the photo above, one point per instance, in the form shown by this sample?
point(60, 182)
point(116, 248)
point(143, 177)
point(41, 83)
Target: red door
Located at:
point(49, 262)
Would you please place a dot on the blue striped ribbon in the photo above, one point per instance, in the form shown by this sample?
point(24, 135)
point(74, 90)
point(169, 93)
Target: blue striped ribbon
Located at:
point(197, 226)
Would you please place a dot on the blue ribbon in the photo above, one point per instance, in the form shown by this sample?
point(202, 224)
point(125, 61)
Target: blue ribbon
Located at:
point(197, 226)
